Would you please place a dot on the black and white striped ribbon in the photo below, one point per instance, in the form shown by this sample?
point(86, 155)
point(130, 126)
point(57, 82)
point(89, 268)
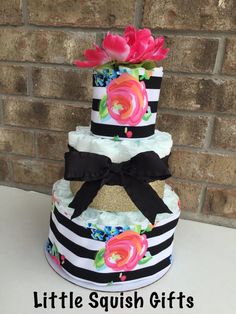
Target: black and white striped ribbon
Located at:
point(110, 127)
point(76, 244)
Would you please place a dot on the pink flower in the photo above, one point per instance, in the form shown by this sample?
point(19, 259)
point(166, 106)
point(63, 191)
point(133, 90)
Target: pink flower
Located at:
point(130, 35)
point(124, 251)
point(94, 58)
point(56, 260)
point(114, 47)
point(127, 99)
point(134, 46)
point(158, 52)
point(143, 46)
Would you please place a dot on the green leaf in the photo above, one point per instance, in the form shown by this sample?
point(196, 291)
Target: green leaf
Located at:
point(137, 228)
point(145, 259)
point(149, 228)
point(135, 73)
point(116, 138)
point(99, 258)
point(103, 111)
point(148, 65)
point(147, 115)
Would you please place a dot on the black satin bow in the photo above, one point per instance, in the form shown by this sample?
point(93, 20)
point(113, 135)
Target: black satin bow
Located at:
point(134, 175)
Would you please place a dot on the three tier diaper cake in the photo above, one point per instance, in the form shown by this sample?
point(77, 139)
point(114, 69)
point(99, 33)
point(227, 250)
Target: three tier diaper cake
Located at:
point(113, 216)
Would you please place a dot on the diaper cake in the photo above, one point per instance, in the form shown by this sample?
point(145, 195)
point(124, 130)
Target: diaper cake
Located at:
point(113, 216)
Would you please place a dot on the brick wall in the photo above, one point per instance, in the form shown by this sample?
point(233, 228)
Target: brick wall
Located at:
point(43, 96)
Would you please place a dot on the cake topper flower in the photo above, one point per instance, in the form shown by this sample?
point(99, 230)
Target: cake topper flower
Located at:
point(135, 48)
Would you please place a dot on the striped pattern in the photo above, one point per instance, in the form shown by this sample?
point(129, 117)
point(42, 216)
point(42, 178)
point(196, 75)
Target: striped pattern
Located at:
point(109, 127)
point(76, 244)
point(95, 117)
point(153, 82)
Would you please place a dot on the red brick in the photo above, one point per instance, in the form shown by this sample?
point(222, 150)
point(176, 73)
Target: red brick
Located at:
point(188, 54)
point(43, 45)
point(207, 167)
point(35, 172)
point(194, 15)
point(73, 84)
point(13, 80)
point(52, 145)
point(44, 115)
point(185, 129)
point(89, 13)
point(224, 135)
point(16, 141)
point(196, 94)
point(229, 65)
point(220, 202)
point(189, 194)
point(10, 12)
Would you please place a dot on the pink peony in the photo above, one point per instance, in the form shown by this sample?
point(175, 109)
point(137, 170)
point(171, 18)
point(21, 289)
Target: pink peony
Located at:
point(114, 47)
point(127, 99)
point(143, 46)
point(94, 58)
point(124, 251)
point(135, 46)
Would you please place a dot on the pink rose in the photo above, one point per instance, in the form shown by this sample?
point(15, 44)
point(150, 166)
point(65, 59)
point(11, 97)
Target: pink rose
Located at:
point(114, 47)
point(127, 99)
point(124, 251)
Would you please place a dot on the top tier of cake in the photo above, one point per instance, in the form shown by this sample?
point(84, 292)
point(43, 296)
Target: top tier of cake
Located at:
point(125, 101)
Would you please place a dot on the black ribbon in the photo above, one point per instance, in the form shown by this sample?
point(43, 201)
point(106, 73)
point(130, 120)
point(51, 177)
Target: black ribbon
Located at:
point(134, 175)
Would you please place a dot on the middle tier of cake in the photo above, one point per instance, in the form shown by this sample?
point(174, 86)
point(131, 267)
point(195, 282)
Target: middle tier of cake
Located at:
point(114, 197)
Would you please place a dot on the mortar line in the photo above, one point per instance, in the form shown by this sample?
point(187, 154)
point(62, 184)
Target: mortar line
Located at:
point(24, 12)
point(182, 112)
point(219, 56)
point(139, 5)
point(67, 66)
point(1, 111)
point(87, 105)
point(201, 182)
point(200, 75)
point(188, 148)
point(10, 126)
point(209, 132)
point(176, 147)
point(35, 144)
point(99, 38)
point(203, 150)
point(15, 156)
point(202, 198)
point(86, 29)
point(193, 33)
point(29, 81)
point(70, 102)
point(34, 131)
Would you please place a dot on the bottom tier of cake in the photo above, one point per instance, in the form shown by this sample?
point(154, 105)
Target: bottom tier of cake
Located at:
point(109, 251)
